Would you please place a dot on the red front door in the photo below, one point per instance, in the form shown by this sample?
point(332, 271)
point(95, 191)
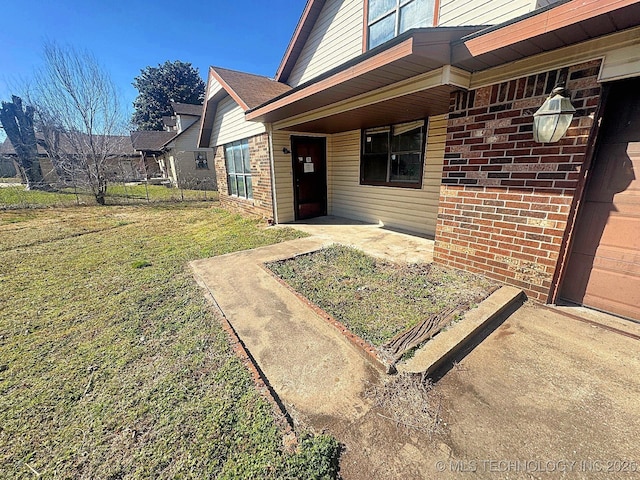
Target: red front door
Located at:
point(309, 176)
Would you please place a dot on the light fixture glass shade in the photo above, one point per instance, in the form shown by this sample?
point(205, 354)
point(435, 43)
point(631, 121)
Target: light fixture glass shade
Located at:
point(552, 119)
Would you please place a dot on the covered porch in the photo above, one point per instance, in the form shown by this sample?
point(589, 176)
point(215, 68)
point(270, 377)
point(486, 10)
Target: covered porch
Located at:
point(401, 91)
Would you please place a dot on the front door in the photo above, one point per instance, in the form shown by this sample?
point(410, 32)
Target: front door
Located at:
point(604, 267)
point(309, 176)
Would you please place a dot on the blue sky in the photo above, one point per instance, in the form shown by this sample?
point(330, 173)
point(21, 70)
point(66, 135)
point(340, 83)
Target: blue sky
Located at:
point(127, 36)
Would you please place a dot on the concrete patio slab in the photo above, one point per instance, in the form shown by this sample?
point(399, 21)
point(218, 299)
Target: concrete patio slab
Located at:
point(372, 238)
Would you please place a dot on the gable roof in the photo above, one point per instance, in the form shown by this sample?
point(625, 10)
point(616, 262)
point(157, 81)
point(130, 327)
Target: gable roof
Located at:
point(151, 140)
point(247, 89)
point(300, 36)
point(186, 109)
point(6, 148)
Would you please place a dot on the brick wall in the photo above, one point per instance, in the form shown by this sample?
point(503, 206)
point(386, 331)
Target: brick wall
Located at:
point(261, 204)
point(505, 199)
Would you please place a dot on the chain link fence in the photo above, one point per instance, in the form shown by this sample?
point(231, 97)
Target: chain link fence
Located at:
point(14, 195)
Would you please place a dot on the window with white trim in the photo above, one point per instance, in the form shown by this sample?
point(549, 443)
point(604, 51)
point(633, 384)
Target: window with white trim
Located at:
point(387, 19)
point(393, 156)
point(238, 169)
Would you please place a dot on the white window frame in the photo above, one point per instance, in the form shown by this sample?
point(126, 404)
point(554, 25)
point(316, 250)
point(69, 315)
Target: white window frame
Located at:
point(393, 11)
point(233, 175)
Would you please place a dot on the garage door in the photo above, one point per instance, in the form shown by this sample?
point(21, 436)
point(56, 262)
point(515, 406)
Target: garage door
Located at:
point(604, 266)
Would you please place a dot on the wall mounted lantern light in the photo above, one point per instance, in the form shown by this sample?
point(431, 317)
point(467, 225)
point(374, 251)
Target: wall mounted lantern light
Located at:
point(286, 151)
point(553, 118)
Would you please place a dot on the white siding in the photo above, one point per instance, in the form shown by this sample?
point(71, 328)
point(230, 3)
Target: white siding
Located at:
point(213, 87)
point(183, 161)
point(336, 37)
point(185, 121)
point(188, 140)
point(408, 209)
point(621, 63)
point(229, 124)
point(481, 12)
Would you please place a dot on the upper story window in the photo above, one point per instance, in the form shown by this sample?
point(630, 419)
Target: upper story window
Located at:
point(387, 19)
point(238, 169)
point(393, 156)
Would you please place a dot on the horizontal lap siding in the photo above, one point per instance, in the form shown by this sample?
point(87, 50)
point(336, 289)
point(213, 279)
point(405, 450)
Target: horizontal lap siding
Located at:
point(336, 37)
point(408, 209)
point(185, 161)
point(487, 12)
point(283, 176)
point(229, 124)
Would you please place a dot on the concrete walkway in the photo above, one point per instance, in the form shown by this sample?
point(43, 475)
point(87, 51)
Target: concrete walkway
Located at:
point(371, 238)
point(316, 372)
point(542, 387)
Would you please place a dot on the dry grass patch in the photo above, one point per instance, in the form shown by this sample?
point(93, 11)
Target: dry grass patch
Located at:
point(410, 401)
point(375, 299)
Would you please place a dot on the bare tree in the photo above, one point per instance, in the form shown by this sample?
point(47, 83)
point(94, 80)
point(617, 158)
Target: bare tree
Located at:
point(79, 117)
point(18, 123)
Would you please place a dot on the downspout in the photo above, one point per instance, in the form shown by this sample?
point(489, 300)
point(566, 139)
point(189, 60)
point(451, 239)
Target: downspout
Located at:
point(272, 169)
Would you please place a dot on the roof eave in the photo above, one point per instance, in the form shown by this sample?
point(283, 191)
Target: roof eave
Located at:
point(429, 45)
point(568, 22)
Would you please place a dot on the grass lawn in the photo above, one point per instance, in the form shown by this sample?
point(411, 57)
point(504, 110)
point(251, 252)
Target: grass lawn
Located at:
point(376, 300)
point(112, 365)
point(117, 194)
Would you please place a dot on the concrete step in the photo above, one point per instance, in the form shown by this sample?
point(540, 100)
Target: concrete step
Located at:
point(445, 348)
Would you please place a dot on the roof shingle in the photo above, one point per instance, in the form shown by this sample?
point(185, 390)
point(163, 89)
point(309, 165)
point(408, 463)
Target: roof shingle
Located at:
point(252, 89)
point(150, 140)
point(186, 109)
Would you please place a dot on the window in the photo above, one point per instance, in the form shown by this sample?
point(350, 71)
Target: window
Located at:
point(201, 160)
point(238, 169)
point(387, 19)
point(393, 156)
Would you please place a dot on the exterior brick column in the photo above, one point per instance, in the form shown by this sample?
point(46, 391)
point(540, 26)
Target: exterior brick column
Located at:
point(505, 199)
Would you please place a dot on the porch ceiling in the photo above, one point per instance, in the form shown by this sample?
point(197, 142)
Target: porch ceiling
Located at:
point(409, 107)
point(413, 54)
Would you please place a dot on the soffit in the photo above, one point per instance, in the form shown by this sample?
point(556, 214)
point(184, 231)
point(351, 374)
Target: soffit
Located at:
point(414, 106)
point(411, 54)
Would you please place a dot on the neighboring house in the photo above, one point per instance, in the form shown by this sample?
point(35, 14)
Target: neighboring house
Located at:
point(122, 166)
point(173, 154)
point(375, 115)
point(8, 168)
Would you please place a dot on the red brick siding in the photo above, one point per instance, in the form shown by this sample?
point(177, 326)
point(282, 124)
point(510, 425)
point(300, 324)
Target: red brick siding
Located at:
point(261, 204)
point(504, 199)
